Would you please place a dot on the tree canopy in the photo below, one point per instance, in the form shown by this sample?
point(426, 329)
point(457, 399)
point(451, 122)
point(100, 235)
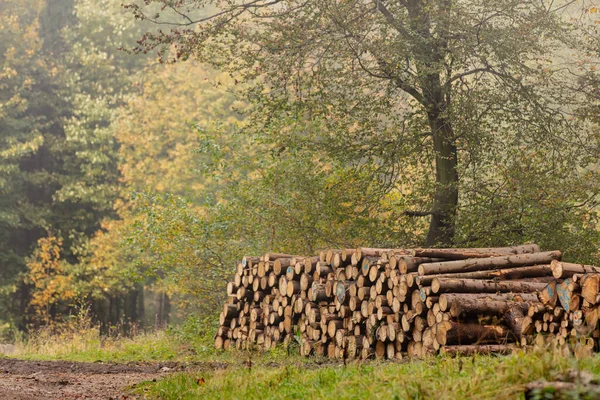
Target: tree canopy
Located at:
point(443, 96)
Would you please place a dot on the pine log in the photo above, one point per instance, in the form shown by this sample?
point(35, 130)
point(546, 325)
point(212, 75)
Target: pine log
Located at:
point(280, 265)
point(448, 299)
point(329, 256)
point(479, 264)
point(306, 281)
point(548, 295)
point(275, 256)
point(488, 307)
point(377, 252)
point(470, 350)
point(346, 254)
point(310, 263)
point(250, 261)
point(460, 254)
point(319, 292)
point(449, 333)
point(446, 285)
point(567, 297)
point(406, 264)
point(590, 287)
point(563, 269)
point(500, 274)
point(519, 324)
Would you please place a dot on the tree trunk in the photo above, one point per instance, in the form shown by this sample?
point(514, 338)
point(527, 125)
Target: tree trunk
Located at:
point(429, 56)
point(445, 198)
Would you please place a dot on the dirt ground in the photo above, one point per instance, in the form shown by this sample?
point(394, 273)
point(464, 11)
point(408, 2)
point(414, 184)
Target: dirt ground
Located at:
point(42, 380)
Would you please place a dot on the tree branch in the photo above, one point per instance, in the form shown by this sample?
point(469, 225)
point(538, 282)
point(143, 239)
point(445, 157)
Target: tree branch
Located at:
point(418, 213)
point(390, 18)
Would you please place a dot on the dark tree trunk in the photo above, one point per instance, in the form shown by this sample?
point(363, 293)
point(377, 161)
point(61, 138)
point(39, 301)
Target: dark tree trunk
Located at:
point(429, 55)
point(445, 199)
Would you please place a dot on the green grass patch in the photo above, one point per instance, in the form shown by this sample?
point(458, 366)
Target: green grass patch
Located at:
point(83, 342)
point(479, 377)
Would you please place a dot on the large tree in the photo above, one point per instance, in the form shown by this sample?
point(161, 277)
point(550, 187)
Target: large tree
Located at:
point(62, 78)
point(420, 87)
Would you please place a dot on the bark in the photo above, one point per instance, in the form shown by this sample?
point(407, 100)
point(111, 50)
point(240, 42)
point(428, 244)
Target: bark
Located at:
point(408, 264)
point(468, 333)
point(469, 350)
point(445, 198)
point(500, 274)
point(459, 307)
point(479, 264)
point(446, 285)
point(515, 319)
point(461, 254)
point(447, 300)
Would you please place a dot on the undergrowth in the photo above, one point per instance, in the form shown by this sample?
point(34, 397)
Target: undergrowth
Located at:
point(442, 377)
point(81, 340)
point(282, 374)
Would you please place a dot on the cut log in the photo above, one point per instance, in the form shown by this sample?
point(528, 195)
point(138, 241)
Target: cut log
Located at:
point(250, 261)
point(470, 350)
point(275, 256)
point(567, 297)
point(460, 254)
point(448, 299)
point(519, 324)
point(548, 295)
point(480, 264)
point(448, 333)
point(488, 307)
point(280, 265)
point(590, 287)
point(500, 274)
point(446, 285)
point(406, 264)
point(310, 263)
point(376, 252)
point(563, 269)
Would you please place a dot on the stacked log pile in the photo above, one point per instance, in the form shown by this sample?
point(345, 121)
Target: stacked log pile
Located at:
point(389, 303)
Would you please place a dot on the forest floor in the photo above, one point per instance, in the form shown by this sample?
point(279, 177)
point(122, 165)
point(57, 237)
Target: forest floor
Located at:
point(175, 365)
point(259, 377)
point(41, 380)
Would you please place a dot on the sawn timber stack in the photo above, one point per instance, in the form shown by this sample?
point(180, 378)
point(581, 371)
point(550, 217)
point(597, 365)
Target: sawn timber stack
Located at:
point(390, 303)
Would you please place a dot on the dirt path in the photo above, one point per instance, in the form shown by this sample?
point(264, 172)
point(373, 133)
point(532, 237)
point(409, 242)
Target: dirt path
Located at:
point(42, 380)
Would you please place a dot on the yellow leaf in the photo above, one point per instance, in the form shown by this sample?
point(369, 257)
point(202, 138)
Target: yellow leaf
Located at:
point(593, 10)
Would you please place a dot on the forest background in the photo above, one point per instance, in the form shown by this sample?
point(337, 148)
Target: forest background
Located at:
point(129, 187)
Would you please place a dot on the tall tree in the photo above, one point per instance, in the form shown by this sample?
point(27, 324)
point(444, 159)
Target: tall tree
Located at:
point(62, 80)
point(411, 85)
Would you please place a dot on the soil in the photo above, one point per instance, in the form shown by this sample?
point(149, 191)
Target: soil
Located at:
point(43, 380)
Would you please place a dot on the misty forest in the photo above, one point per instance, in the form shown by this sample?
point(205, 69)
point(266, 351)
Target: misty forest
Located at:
point(147, 147)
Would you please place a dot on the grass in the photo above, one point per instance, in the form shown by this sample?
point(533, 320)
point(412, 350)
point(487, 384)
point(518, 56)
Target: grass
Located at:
point(276, 375)
point(81, 341)
point(479, 377)
point(91, 347)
